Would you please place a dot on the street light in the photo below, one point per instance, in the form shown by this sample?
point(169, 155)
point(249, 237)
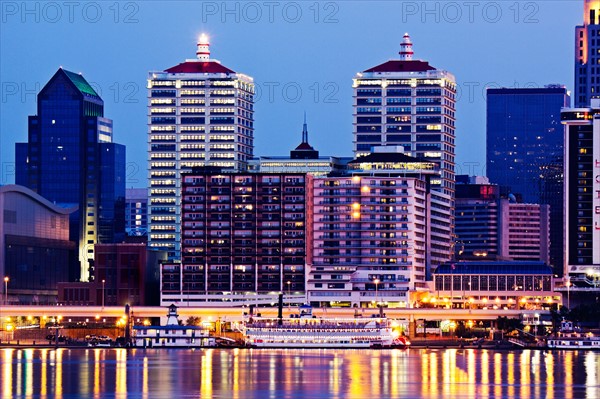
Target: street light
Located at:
point(289, 284)
point(103, 281)
point(568, 294)
point(376, 281)
point(6, 279)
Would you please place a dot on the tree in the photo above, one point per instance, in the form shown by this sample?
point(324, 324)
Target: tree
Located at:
point(193, 321)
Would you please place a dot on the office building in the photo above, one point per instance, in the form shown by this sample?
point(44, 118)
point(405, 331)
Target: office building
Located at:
point(587, 55)
point(491, 227)
point(126, 273)
point(377, 233)
point(136, 212)
point(243, 234)
point(525, 150)
point(582, 195)
point(407, 103)
point(200, 113)
point(35, 250)
point(71, 159)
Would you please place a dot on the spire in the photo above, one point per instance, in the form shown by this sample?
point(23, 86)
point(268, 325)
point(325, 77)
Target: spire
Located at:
point(304, 130)
point(406, 50)
point(304, 150)
point(203, 52)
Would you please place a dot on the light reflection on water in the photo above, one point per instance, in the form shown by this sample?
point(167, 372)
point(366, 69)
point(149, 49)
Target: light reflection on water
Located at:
point(245, 373)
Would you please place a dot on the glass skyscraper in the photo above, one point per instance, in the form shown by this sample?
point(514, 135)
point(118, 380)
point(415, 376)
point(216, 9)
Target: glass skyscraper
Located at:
point(525, 150)
point(70, 159)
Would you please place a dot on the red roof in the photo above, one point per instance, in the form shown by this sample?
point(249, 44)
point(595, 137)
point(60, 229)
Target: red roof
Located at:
point(402, 66)
point(305, 146)
point(199, 67)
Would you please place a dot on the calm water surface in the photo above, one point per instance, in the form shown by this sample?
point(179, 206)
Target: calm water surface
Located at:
point(251, 373)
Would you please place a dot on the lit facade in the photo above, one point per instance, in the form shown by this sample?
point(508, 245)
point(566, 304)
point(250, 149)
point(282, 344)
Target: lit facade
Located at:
point(524, 151)
point(136, 211)
point(494, 285)
point(70, 158)
point(411, 104)
point(587, 55)
point(582, 194)
point(200, 113)
point(243, 234)
point(494, 228)
point(376, 236)
point(35, 249)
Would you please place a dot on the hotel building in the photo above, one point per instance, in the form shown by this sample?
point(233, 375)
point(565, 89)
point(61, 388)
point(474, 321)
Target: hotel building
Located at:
point(377, 233)
point(200, 113)
point(243, 238)
point(407, 103)
point(582, 195)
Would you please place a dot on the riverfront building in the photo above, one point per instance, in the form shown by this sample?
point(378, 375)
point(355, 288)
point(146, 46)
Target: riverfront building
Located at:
point(243, 234)
point(494, 285)
point(200, 113)
point(377, 232)
point(35, 249)
point(582, 195)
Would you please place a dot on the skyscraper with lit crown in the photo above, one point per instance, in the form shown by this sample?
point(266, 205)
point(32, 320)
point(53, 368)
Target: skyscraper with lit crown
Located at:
point(587, 55)
point(200, 113)
point(407, 103)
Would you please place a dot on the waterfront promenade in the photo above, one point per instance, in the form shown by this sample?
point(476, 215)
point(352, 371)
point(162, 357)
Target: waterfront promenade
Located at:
point(237, 313)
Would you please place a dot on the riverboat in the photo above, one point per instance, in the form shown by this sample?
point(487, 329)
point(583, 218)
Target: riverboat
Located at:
point(574, 341)
point(308, 332)
point(172, 335)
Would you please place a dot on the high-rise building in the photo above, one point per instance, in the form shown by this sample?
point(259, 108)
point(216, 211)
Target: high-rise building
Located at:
point(241, 233)
point(490, 227)
point(136, 211)
point(582, 194)
point(587, 55)
point(377, 233)
point(70, 159)
point(200, 113)
point(407, 103)
point(525, 150)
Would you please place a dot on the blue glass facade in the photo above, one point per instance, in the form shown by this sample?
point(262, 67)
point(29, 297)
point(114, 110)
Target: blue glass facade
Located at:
point(70, 160)
point(525, 143)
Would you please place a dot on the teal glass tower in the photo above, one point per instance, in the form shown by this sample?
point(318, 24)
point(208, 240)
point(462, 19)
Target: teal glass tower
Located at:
point(70, 159)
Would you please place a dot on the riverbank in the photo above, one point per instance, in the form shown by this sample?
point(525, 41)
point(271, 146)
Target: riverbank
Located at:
point(415, 344)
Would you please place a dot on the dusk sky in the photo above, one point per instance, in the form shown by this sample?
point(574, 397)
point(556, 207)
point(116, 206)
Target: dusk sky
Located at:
point(302, 55)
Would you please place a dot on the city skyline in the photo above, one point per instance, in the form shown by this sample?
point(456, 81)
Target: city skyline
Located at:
point(282, 61)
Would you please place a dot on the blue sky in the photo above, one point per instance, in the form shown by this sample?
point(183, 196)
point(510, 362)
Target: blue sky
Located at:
point(302, 55)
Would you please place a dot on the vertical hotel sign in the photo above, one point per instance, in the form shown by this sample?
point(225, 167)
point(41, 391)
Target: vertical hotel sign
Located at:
point(596, 191)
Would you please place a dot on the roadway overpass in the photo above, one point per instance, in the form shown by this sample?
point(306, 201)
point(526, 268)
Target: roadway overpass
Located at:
point(236, 314)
